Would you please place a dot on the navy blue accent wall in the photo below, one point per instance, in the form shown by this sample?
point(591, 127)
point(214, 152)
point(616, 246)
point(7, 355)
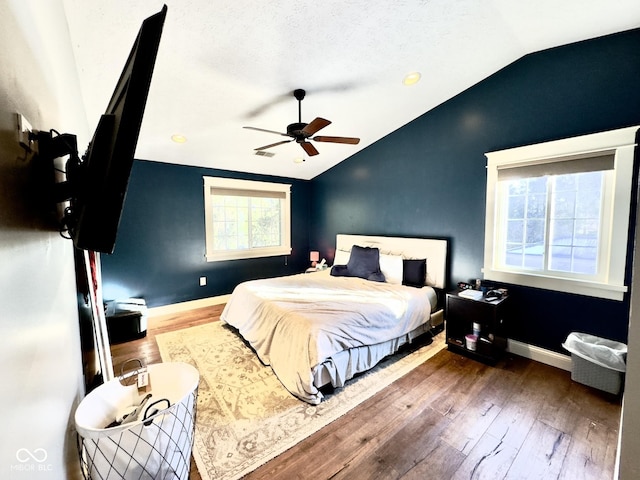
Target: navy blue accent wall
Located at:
point(160, 248)
point(428, 178)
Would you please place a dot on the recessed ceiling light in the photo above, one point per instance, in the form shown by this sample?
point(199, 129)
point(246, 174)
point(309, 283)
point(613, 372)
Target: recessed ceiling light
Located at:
point(411, 79)
point(178, 138)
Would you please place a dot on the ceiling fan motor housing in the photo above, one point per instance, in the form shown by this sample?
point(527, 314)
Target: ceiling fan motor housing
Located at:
point(295, 130)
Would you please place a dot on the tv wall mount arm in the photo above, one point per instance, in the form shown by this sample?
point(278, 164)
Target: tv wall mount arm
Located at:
point(50, 146)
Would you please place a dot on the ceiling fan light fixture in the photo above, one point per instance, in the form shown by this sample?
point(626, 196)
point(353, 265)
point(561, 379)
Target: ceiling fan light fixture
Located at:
point(177, 138)
point(411, 79)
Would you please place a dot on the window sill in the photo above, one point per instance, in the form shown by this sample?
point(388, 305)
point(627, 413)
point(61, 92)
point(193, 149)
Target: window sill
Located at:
point(578, 287)
point(243, 254)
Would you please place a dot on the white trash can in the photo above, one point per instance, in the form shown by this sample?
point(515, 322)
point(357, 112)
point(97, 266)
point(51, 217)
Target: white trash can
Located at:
point(156, 445)
point(597, 362)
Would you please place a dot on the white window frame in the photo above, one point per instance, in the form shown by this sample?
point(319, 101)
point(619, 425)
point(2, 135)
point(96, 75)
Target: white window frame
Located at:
point(211, 184)
point(610, 280)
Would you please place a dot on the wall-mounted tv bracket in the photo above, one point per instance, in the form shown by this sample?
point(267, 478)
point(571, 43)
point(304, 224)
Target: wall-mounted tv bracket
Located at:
point(52, 145)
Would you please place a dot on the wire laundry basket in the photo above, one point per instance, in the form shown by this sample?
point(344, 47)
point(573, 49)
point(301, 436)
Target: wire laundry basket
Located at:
point(157, 444)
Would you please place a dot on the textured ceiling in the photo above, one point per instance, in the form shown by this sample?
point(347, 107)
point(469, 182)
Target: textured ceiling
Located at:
point(224, 65)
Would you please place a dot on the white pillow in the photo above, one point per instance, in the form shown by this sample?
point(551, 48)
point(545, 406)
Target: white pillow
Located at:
point(391, 267)
point(341, 257)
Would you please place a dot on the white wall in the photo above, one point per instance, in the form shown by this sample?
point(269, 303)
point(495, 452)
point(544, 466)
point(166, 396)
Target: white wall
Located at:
point(629, 454)
point(40, 360)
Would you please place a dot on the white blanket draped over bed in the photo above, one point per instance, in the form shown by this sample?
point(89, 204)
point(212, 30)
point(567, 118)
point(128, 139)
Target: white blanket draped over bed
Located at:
point(296, 323)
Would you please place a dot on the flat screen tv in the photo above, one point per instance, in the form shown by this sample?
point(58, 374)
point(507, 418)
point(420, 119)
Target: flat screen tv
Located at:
point(96, 185)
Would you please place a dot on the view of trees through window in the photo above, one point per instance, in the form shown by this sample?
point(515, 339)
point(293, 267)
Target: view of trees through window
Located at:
point(241, 222)
point(553, 222)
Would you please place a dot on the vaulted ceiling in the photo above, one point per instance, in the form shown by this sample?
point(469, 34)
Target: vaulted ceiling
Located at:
point(223, 65)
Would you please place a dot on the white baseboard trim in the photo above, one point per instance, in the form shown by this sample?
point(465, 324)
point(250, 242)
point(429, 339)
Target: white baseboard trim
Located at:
point(183, 306)
point(538, 354)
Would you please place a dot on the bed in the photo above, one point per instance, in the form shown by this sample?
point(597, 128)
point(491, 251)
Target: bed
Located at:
point(323, 328)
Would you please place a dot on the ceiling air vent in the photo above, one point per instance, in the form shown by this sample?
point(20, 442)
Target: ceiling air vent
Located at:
point(262, 153)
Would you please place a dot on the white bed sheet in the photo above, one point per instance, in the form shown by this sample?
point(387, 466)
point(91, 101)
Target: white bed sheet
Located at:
point(296, 323)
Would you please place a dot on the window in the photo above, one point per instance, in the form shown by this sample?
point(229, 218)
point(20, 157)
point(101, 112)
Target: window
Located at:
point(246, 219)
point(558, 214)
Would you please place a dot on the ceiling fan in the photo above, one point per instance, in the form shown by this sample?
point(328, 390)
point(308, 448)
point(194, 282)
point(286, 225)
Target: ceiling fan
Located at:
point(302, 132)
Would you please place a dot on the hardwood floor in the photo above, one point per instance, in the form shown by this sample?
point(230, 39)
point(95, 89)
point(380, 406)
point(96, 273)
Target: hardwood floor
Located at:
point(451, 418)
point(146, 348)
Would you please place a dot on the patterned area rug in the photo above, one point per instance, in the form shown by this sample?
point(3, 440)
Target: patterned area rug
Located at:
point(245, 417)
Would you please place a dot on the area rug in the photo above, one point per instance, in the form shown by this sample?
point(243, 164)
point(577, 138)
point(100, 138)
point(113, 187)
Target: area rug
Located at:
point(245, 417)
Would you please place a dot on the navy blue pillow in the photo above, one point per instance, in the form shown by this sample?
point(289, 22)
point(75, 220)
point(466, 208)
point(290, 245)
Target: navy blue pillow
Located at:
point(364, 262)
point(377, 277)
point(340, 271)
point(414, 272)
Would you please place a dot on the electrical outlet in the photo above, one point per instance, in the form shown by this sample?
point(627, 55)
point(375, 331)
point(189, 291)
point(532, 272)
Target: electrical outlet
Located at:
point(203, 281)
point(24, 129)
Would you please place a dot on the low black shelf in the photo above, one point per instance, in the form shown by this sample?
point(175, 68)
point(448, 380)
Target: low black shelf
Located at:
point(491, 315)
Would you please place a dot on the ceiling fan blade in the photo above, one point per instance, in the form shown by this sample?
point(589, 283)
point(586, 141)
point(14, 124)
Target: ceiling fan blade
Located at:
point(267, 131)
point(267, 105)
point(349, 140)
point(273, 144)
point(310, 149)
point(315, 125)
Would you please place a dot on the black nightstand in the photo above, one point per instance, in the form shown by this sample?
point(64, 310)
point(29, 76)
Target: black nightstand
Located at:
point(460, 315)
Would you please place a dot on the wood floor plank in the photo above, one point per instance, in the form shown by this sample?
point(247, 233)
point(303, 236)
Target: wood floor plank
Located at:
point(490, 459)
point(397, 453)
point(471, 425)
point(591, 454)
point(602, 407)
point(520, 413)
point(541, 455)
point(441, 461)
point(461, 389)
point(487, 403)
point(368, 429)
point(513, 422)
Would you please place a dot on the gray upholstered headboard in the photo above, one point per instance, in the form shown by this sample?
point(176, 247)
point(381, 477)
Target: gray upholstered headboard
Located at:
point(434, 250)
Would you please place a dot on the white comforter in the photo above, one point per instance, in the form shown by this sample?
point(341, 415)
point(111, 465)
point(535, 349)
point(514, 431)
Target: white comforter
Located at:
point(295, 323)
